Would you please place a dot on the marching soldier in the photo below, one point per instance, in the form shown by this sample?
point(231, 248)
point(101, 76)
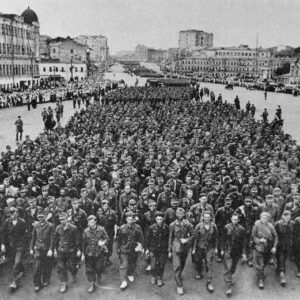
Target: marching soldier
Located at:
point(13, 243)
point(205, 244)
point(130, 241)
point(66, 249)
point(107, 218)
point(233, 247)
point(265, 242)
point(94, 250)
point(42, 249)
point(156, 246)
point(181, 233)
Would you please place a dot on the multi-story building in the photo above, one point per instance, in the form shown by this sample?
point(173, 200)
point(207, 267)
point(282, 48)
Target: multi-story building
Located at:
point(144, 53)
point(19, 50)
point(98, 46)
point(44, 46)
point(195, 38)
point(231, 61)
point(66, 49)
point(141, 53)
point(55, 69)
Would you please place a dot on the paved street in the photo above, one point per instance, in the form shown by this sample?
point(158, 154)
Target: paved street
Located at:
point(245, 287)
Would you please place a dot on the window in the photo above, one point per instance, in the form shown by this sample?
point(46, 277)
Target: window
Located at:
point(44, 69)
point(50, 69)
point(71, 51)
point(81, 69)
point(62, 69)
point(53, 50)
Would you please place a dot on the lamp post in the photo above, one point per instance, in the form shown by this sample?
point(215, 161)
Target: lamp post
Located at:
point(71, 69)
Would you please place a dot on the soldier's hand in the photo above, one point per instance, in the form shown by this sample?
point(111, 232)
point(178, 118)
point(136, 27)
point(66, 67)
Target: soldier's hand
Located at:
point(216, 251)
point(147, 253)
point(101, 243)
point(273, 250)
point(31, 252)
point(222, 252)
point(3, 250)
point(49, 253)
point(82, 258)
point(193, 251)
point(55, 253)
point(170, 254)
point(115, 237)
point(78, 253)
point(244, 257)
point(183, 241)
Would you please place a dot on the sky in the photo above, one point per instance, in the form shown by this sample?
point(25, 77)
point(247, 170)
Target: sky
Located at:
point(156, 23)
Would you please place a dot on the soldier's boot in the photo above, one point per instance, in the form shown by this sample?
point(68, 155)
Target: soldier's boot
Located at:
point(91, 287)
point(153, 280)
point(180, 290)
point(261, 284)
point(98, 283)
point(210, 287)
point(228, 289)
point(130, 278)
point(199, 276)
point(123, 285)
point(282, 279)
point(63, 287)
point(37, 288)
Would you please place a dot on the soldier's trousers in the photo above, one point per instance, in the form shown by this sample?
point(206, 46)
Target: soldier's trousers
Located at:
point(205, 258)
point(42, 268)
point(249, 250)
point(261, 260)
point(127, 264)
point(230, 263)
point(158, 261)
point(66, 261)
point(281, 257)
point(94, 266)
point(110, 245)
point(179, 260)
point(16, 256)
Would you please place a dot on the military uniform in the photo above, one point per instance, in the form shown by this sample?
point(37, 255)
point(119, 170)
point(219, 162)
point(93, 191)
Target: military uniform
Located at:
point(233, 247)
point(66, 244)
point(41, 242)
point(108, 220)
point(94, 254)
point(128, 237)
point(178, 230)
point(157, 244)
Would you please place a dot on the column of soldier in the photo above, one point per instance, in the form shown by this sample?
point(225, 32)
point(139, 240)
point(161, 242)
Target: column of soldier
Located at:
point(166, 178)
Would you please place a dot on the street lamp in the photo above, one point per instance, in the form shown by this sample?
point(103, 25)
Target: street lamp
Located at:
point(71, 69)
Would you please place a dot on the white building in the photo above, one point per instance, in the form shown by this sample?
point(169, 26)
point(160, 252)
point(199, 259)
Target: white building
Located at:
point(97, 44)
point(63, 70)
point(19, 50)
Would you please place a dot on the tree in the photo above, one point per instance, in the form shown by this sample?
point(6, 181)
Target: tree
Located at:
point(285, 69)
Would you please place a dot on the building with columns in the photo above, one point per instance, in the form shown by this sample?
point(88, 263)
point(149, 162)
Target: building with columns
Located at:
point(19, 50)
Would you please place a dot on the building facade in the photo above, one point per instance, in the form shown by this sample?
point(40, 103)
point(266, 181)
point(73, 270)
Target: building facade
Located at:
point(231, 61)
point(19, 50)
point(98, 46)
point(195, 38)
point(67, 49)
point(54, 69)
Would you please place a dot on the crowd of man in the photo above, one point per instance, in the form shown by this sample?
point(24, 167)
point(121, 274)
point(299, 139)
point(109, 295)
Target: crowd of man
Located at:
point(161, 174)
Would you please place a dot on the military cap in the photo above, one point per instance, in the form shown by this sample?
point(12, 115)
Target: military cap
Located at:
point(105, 201)
point(269, 197)
point(152, 203)
point(62, 216)
point(129, 214)
point(74, 200)
point(180, 210)
point(91, 218)
point(151, 181)
point(202, 195)
point(174, 201)
point(159, 214)
point(167, 185)
point(131, 202)
point(254, 189)
point(13, 209)
point(51, 178)
point(69, 180)
point(40, 213)
point(51, 199)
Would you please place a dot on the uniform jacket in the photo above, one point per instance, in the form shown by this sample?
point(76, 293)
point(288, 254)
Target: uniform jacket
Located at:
point(234, 239)
point(42, 237)
point(66, 240)
point(157, 238)
point(206, 239)
point(13, 236)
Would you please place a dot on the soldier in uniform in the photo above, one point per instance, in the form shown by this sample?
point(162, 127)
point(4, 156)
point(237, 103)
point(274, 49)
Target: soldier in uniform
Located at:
point(94, 250)
point(181, 233)
point(107, 218)
point(265, 242)
point(41, 248)
point(156, 246)
point(130, 240)
point(170, 213)
point(164, 198)
point(284, 229)
point(233, 246)
point(248, 214)
point(205, 244)
point(66, 248)
point(13, 243)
